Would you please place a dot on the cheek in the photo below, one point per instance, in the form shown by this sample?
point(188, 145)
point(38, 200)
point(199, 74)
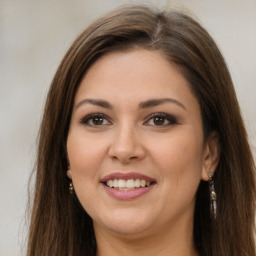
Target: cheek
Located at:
point(81, 151)
point(179, 161)
point(181, 149)
point(84, 158)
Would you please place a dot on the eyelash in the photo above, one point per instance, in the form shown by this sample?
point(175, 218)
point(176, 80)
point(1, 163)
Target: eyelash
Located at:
point(170, 118)
point(85, 120)
point(166, 117)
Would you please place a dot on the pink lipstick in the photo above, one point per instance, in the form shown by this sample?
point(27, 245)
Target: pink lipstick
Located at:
point(127, 186)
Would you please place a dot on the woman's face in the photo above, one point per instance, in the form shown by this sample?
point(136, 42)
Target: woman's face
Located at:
point(135, 144)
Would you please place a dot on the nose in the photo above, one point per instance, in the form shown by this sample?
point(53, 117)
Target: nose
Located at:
point(126, 145)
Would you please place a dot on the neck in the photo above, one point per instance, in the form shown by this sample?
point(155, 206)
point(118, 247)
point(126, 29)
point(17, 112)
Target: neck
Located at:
point(175, 242)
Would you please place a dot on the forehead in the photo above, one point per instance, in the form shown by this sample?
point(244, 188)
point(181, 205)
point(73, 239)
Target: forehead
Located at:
point(133, 75)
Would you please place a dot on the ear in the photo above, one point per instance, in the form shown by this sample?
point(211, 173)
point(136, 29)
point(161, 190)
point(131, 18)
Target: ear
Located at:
point(211, 156)
point(69, 173)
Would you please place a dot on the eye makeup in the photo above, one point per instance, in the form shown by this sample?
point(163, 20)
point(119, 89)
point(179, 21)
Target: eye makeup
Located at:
point(95, 119)
point(161, 119)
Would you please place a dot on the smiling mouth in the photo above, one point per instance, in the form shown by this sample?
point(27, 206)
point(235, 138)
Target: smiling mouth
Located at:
point(129, 184)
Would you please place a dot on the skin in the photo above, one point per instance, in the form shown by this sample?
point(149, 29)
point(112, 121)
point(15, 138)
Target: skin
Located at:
point(129, 139)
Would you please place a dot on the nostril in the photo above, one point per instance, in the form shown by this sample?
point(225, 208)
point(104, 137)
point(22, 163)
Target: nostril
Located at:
point(133, 157)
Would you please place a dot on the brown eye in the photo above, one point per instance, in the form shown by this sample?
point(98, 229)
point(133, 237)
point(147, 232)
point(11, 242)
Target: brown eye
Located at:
point(159, 120)
point(95, 120)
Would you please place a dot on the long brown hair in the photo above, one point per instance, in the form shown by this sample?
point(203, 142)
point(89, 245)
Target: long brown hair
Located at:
point(59, 225)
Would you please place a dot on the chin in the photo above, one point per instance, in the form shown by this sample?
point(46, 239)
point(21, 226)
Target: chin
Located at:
point(125, 222)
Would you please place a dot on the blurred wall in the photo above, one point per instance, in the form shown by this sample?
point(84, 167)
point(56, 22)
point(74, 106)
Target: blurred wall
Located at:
point(34, 37)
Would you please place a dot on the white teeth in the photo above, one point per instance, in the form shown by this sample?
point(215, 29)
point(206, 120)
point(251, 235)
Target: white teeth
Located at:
point(130, 184)
point(143, 183)
point(121, 183)
point(110, 183)
point(115, 183)
point(137, 183)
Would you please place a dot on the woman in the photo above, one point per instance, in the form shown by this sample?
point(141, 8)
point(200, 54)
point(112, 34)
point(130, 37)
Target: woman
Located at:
point(142, 148)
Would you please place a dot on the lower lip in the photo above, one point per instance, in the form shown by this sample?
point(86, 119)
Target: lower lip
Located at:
point(127, 194)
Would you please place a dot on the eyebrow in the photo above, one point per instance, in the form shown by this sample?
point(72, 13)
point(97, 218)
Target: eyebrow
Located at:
point(97, 102)
point(145, 104)
point(156, 102)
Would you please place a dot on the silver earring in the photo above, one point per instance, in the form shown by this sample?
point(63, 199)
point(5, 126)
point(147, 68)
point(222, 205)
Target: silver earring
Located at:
point(71, 188)
point(213, 196)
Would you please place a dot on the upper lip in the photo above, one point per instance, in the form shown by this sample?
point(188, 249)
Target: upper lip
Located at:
point(126, 176)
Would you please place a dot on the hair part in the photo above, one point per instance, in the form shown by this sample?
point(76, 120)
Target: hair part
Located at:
point(59, 225)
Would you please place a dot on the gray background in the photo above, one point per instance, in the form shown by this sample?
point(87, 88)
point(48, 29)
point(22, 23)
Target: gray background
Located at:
point(34, 37)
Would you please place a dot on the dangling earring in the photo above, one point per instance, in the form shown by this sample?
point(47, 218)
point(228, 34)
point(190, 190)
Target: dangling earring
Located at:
point(213, 196)
point(71, 188)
